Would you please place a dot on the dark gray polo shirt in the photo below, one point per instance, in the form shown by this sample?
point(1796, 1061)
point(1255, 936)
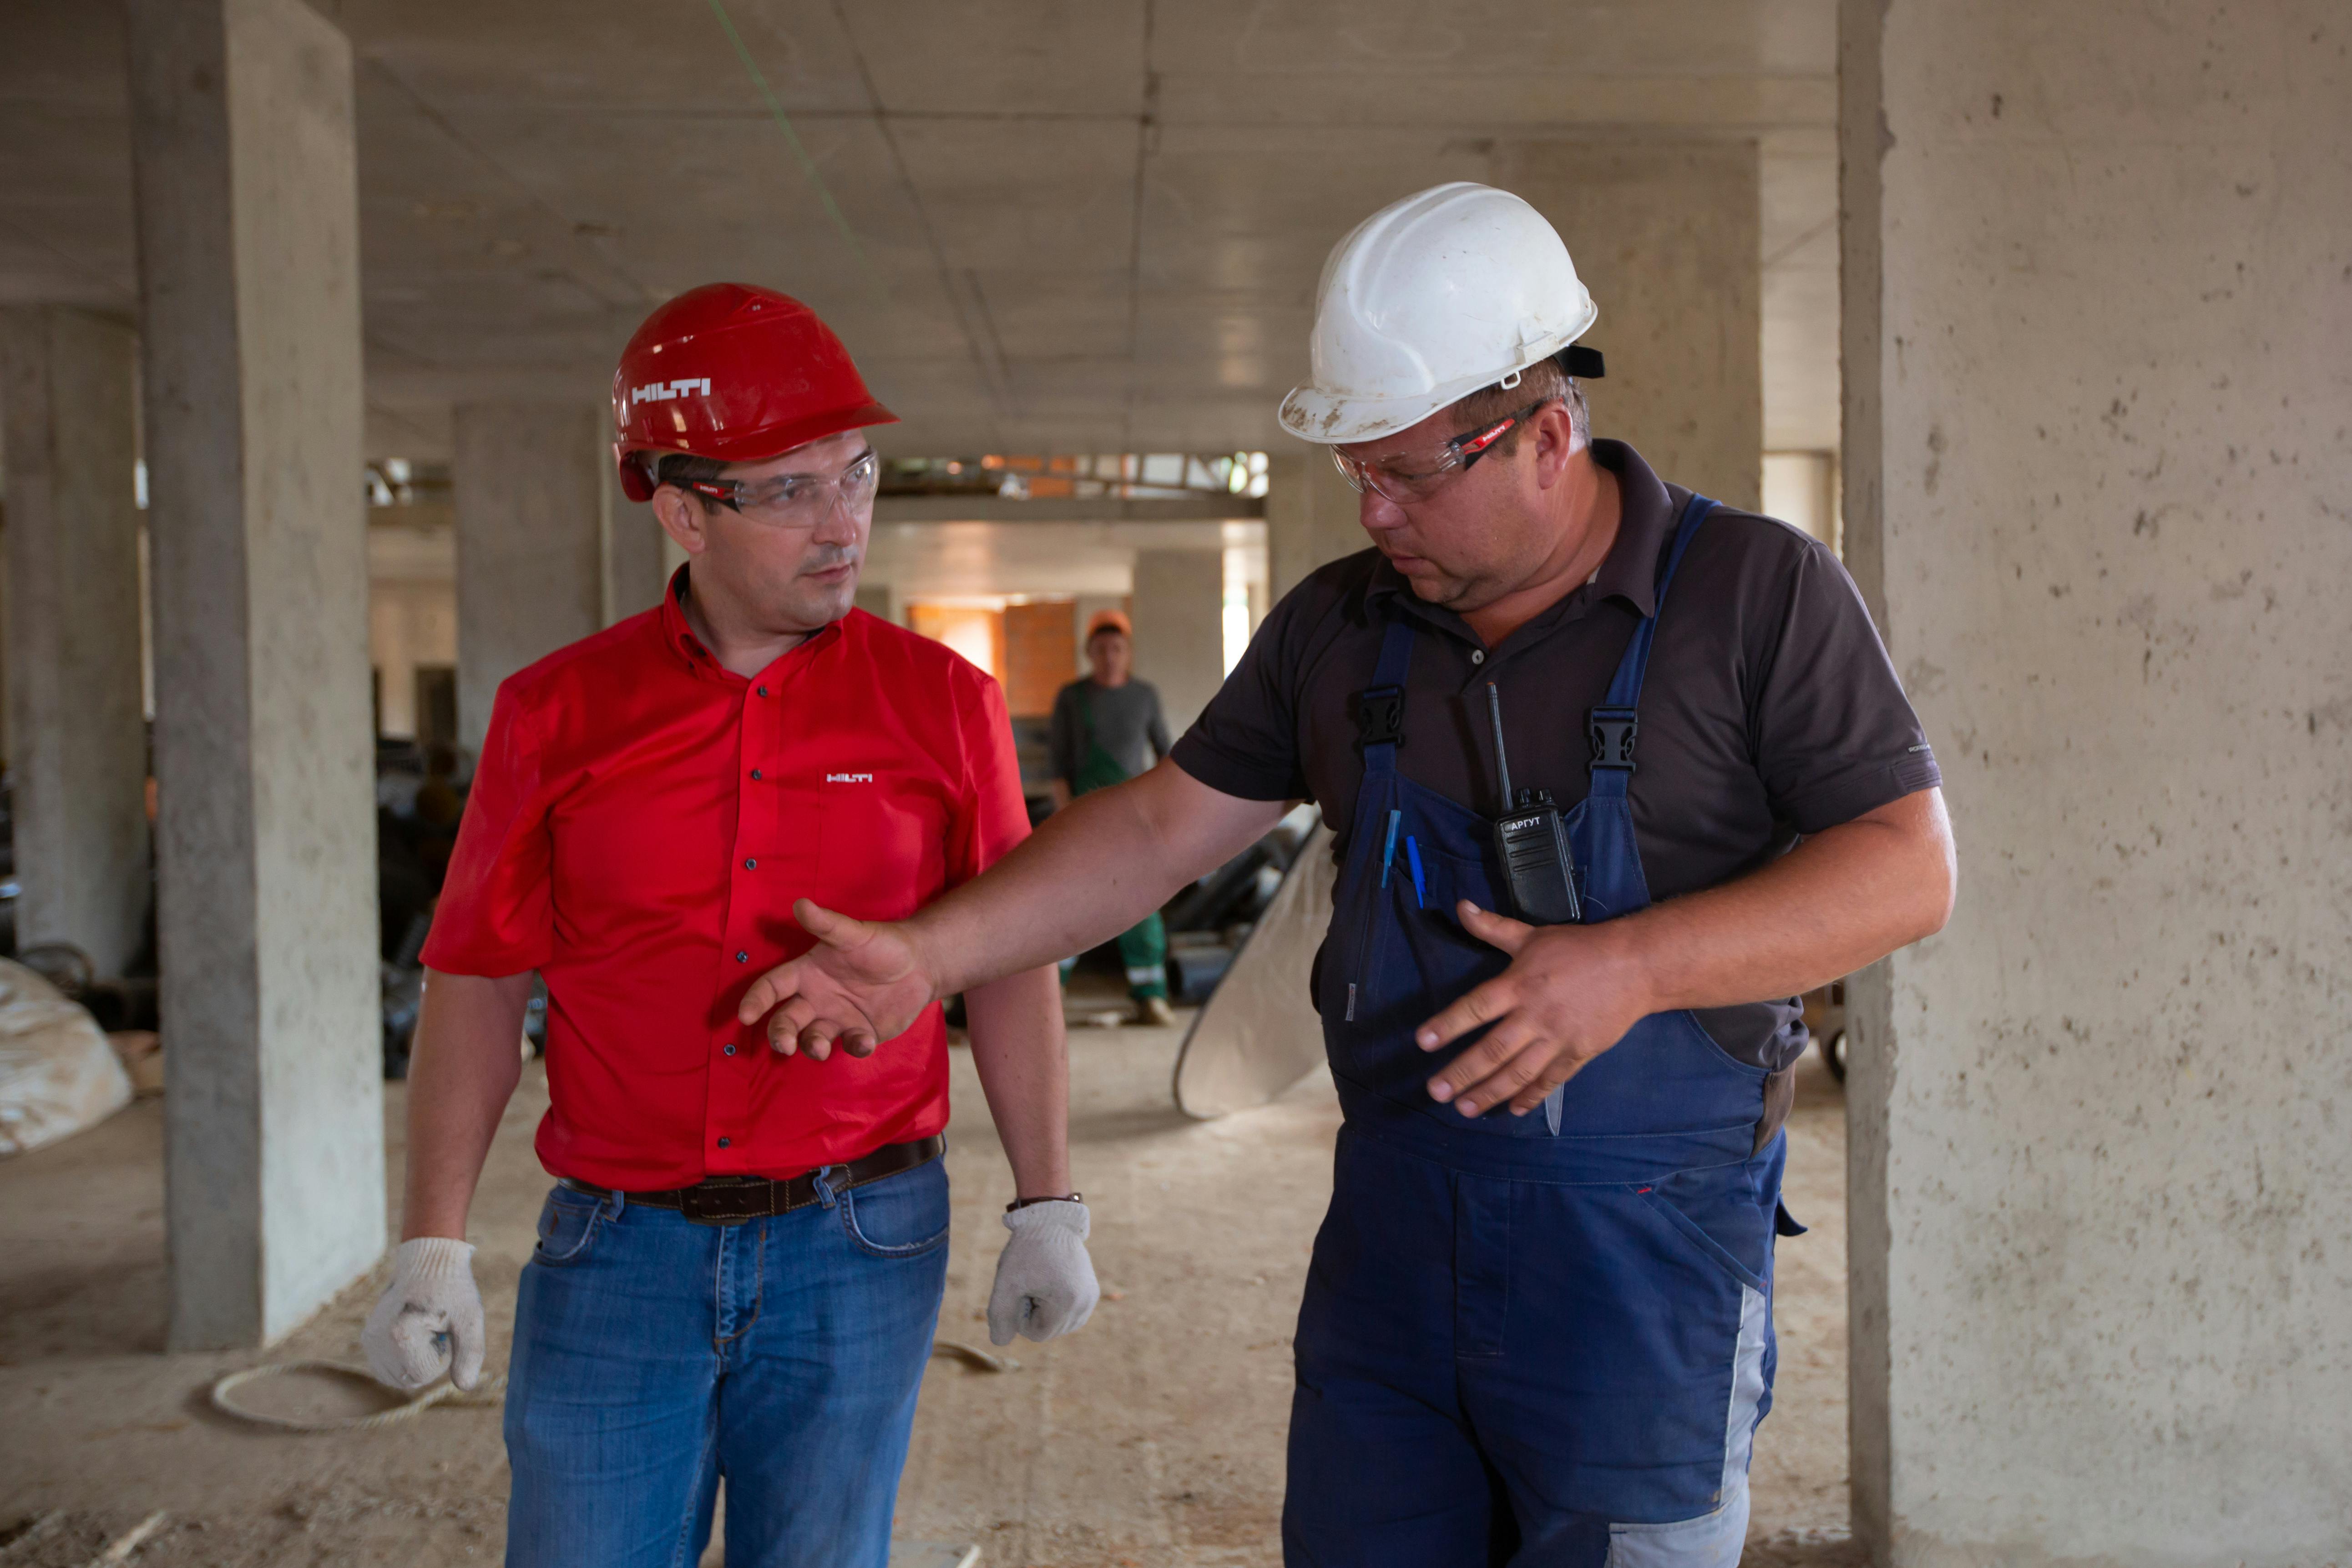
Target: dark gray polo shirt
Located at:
point(1127, 722)
point(1770, 708)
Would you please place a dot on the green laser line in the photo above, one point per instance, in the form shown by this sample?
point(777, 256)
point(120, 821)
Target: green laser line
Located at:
point(808, 165)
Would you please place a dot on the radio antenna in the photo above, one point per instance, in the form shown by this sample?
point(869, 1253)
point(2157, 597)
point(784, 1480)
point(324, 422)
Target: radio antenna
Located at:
point(1502, 758)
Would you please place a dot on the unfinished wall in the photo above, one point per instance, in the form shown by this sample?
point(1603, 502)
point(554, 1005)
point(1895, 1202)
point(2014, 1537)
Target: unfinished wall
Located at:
point(2098, 338)
point(1179, 628)
point(1310, 514)
point(1667, 238)
point(532, 530)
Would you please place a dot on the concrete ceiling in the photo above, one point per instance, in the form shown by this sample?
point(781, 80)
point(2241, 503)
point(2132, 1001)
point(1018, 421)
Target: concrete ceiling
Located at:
point(1076, 226)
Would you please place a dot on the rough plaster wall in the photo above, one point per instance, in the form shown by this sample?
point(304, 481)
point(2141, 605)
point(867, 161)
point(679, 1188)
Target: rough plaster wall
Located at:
point(249, 278)
point(1179, 628)
point(529, 479)
point(2099, 339)
point(632, 548)
point(1310, 514)
point(79, 763)
point(1667, 238)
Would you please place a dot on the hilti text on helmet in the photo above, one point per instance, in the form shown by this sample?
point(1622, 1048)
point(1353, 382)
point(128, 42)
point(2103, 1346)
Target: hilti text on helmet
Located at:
point(663, 391)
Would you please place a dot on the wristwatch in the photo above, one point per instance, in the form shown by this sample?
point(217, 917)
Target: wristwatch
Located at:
point(1065, 1198)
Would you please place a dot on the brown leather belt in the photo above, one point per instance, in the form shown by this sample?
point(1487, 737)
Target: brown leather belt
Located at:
point(731, 1200)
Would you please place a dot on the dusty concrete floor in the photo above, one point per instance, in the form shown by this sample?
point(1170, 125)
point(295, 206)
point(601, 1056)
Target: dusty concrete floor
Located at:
point(1154, 1439)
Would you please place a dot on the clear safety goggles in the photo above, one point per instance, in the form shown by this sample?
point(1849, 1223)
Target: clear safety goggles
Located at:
point(1405, 480)
point(794, 501)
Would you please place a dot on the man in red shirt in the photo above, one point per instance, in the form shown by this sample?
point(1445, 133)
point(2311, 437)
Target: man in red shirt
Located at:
point(739, 1268)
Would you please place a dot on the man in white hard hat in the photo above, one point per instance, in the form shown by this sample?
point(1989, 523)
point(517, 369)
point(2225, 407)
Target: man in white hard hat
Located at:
point(1615, 772)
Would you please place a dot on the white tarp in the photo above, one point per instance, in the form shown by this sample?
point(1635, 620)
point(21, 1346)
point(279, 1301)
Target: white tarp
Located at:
point(1259, 1034)
point(57, 1074)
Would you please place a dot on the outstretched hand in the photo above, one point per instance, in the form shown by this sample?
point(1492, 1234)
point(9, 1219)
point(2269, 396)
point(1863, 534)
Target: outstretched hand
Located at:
point(864, 982)
point(1569, 995)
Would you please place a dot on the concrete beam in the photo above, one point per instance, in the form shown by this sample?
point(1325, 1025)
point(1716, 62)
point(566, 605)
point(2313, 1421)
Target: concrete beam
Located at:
point(1668, 238)
point(529, 486)
point(2095, 381)
point(78, 737)
point(249, 269)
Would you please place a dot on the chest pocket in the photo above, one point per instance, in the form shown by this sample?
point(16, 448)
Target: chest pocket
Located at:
point(880, 852)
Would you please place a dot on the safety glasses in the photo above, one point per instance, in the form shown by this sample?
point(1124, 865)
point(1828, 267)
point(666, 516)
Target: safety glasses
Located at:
point(1407, 479)
point(793, 500)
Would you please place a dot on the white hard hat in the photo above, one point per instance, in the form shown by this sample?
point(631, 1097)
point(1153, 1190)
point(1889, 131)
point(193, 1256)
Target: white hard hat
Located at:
point(1429, 300)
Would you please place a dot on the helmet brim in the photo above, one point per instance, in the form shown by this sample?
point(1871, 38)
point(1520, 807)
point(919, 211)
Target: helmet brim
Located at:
point(752, 447)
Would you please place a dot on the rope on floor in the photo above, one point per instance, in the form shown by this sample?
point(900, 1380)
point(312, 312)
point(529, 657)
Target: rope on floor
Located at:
point(490, 1390)
point(973, 1357)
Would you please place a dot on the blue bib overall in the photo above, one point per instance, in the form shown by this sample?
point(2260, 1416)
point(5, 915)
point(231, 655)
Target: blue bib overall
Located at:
point(1540, 1339)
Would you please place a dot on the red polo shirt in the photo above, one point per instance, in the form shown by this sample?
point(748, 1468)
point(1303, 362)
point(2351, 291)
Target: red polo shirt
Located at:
point(640, 824)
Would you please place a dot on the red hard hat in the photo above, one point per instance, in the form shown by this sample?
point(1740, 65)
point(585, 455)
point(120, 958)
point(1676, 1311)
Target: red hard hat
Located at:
point(733, 372)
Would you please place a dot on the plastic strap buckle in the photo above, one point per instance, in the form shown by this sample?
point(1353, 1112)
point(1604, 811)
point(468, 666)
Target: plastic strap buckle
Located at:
point(1612, 731)
point(1380, 716)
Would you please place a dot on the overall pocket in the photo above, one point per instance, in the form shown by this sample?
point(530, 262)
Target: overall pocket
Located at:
point(903, 1215)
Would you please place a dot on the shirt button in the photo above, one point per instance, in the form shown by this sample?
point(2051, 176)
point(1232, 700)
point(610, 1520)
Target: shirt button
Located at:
point(1477, 656)
point(750, 865)
point(729, 1050)
point(755, 772)
point(743, 958)
point(764, 692)
point(722, 1143)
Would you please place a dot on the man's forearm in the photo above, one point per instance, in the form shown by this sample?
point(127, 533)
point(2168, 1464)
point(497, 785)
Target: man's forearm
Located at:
point(462, 1070)
point(1084, 876)
point(1843, 899)
point(1018, 1045)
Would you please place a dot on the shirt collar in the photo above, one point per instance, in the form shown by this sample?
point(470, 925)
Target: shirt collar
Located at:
point(1645, 517)
point(1629, 572)
point(679, 636)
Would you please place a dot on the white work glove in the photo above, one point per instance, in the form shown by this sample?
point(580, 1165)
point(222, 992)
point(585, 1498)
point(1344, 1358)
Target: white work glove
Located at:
point(1045, 1282)
point(430, 1319)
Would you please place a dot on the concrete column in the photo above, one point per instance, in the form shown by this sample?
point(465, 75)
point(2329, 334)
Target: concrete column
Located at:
point(2098, 351)
point(80, 753)
point(631, 545)
point(248, 212)
point(1668, 238)
point(1310, 514)
point(1179, 628)
point(529, 487)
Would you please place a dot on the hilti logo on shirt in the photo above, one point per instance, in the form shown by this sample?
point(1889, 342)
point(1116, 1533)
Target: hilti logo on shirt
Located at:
point(849, 778)
point(664, 391)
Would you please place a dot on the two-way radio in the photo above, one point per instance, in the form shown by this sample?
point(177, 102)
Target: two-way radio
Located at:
point(1532, 843)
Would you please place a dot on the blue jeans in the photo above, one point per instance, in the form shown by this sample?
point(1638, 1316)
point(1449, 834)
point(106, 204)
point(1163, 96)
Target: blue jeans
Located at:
point(652, 1355)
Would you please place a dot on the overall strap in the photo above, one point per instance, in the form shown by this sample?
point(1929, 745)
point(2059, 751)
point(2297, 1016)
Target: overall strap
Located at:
point(1380, 707)
point(1612, 725)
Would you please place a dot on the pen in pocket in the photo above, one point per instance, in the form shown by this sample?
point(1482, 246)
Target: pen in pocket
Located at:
point(1388, 850)
point(1420, 886)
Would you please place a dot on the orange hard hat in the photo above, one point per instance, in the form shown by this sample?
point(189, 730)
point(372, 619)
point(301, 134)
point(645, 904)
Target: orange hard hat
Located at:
point(1109, 621)
point(733, 372)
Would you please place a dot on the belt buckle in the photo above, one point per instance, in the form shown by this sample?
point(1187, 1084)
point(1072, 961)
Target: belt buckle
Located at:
point(725, 1200)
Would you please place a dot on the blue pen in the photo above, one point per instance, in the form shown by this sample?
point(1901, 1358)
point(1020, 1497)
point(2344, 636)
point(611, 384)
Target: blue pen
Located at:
point(1420, 887)
point(1388, 850)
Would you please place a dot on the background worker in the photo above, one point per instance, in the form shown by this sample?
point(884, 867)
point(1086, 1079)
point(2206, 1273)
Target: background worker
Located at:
point(740, 1270)
point(1538, 1325)
point(1109, 728)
